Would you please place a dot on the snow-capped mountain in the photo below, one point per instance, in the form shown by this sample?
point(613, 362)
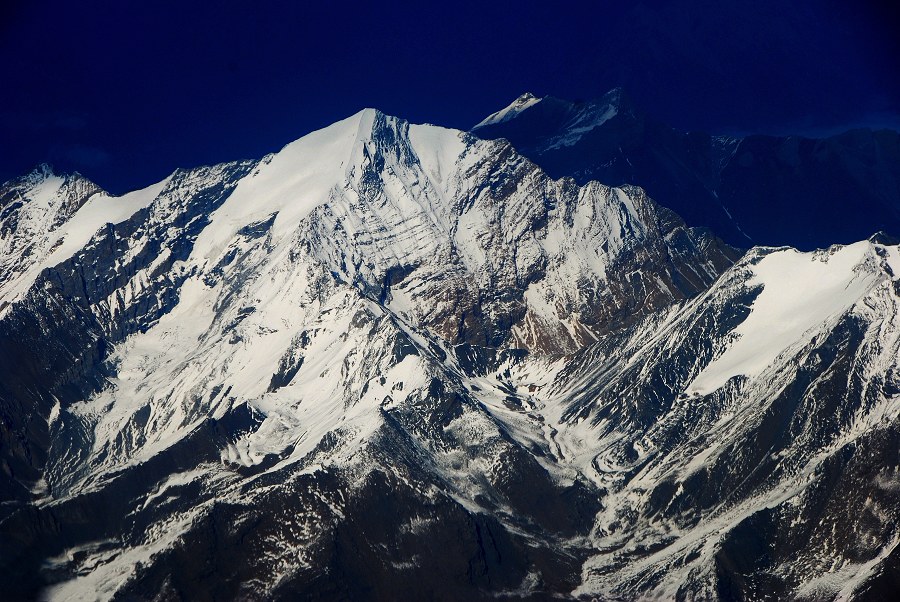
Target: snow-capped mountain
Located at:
point(397, 361)
point(746, 439)
point(771, 190)
point(553, 123)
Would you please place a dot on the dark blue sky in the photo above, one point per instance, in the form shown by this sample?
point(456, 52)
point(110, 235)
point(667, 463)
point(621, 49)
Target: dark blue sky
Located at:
point(124, 92)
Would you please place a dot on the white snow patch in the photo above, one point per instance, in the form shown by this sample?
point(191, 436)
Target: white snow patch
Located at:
point(800, 292)
point(297, 179)
point(60, 244)
point(438, 149)
point(520, 104)
point(99, 210)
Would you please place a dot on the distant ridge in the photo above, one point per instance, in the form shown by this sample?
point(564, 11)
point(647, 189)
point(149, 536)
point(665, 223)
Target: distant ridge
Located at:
point(803, 192)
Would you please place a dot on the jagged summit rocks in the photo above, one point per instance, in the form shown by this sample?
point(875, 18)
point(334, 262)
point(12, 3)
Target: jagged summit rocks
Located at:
point(398, 361)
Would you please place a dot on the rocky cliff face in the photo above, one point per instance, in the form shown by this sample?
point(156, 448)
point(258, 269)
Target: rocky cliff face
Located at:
point(763, 190)
point(397, 361)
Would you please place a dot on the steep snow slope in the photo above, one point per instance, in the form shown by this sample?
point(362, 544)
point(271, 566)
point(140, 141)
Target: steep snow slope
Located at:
point(506, 113)
point(257, 273)
point(32, 208)
point(395, 361)
point(223, 326)
point(801, 291)
point(771, 478)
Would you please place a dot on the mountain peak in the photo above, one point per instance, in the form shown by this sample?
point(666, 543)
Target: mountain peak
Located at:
point(883, 238)
point(40, 173)
point(43, 172)
point(618, 97)
point(405, 338)
point(522, 103)
point(44, 176)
